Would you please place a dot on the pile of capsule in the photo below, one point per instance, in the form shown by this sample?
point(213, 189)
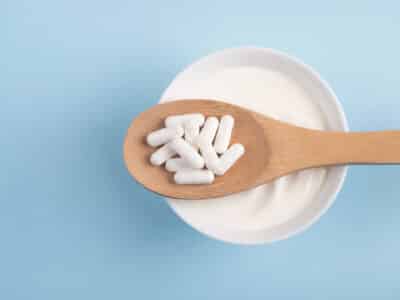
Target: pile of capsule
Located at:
point(195, 148)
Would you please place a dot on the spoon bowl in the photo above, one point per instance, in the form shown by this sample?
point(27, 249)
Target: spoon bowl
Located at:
point(247, 131)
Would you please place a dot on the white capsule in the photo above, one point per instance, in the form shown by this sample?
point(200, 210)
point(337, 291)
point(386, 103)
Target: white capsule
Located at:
point(223, 138)
point(178, 120)
point(194, 177)
point(228, 159)
point(161, 155)
point(208, 131)
point(164, 135)
point(210, 157)
point(188, 153)
point(176, 164)
point(191, 129)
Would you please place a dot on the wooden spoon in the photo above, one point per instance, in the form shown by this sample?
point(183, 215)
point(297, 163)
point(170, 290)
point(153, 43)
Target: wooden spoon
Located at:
point(273, 149)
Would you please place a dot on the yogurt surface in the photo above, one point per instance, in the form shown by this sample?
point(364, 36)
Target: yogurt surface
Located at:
point(276, 95)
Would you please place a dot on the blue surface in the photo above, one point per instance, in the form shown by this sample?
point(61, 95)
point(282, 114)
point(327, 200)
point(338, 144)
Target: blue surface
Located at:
point(73, 224)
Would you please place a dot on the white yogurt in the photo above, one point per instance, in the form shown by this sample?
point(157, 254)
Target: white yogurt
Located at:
point(274, 95)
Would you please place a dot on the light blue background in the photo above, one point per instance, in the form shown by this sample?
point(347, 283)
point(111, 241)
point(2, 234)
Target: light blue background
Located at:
point(74, 225)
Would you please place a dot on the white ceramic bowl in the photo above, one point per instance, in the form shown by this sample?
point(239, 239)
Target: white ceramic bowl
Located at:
point(182, 88)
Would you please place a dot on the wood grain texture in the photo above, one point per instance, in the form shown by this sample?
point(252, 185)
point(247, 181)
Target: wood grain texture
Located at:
point(273, 149)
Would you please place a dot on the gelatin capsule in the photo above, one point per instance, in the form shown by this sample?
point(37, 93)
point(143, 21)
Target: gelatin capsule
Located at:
point(224, 133)
point(194, 177)
point(188, 153)
point(164, 135)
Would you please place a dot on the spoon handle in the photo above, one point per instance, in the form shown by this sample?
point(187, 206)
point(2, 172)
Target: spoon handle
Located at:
point(332, 148)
